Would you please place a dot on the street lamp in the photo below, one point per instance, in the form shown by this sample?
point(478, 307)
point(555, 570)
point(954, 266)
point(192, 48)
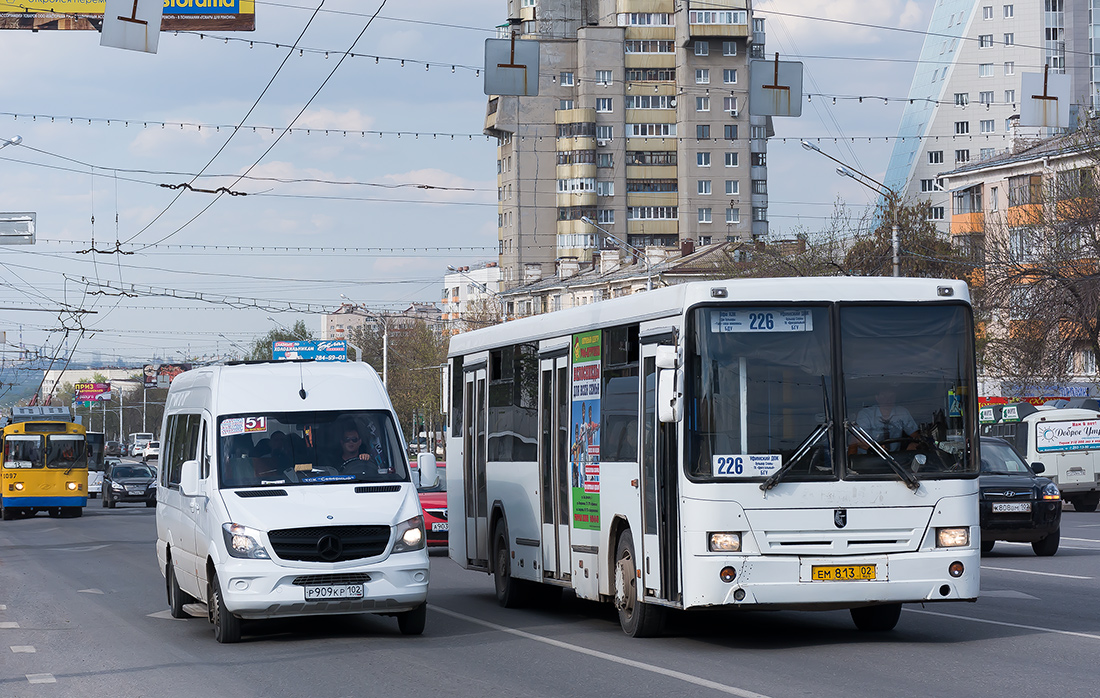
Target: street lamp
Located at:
point(15, 140)
point(385, 338)
point(626, 246)
point(846, 170)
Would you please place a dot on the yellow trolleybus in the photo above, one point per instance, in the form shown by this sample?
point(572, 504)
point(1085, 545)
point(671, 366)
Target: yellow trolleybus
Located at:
point(44, 465)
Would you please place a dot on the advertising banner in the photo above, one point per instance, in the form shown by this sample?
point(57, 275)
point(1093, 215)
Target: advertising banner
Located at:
point(91, 392)
point(179, 15)
point(327, 350)
point(161, 376)
point(584, 449)
point(1078, 435)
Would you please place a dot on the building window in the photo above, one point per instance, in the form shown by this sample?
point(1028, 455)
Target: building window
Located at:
point(928, 185)
point(935, 213)
point(1008, 11)
point(650, 102)
point(1010, 67)
point(703, 186)
point(985, 70)
point(729, 48)
point(729, 132)
point(987, 153)
point(566, 79)
point(702, 76)
point(985, 40)
point(729, 76)
point(605, 215)
point(759, 186)
point(760, 214)
point(565, 104)
point(702, 131)
point(704, 215)
point(603, 105)
point(702, 48)
point(729, 104)
point(1088, 362)
point(733, 215)
point(993, 203)
point(605, 160)
point(962, 128)
point(702, 159)
point(1008, 123)
point(758, 132)
point(985, 97)
point(731, 159)
point(605, 133)
point(962, 155)
point(702, 104)
point(935, 157)
point(648, 130)
point(987, 125)
point(605, 189)
point(733, 187)
point(987, 12)
point(1010, 96)
point(759, 159)
point(962, 99)
point(1010, 39)
point(603, 77)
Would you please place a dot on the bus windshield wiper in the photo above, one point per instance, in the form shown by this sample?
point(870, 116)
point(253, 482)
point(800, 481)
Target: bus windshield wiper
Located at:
point(803, 449)
point(907, 477)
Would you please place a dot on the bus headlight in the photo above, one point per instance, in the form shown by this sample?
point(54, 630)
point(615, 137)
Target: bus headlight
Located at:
point(18, 487)
point(242, 541)
point(952, 537)
point(70, 485)
point(724, 542)
point(410, 535)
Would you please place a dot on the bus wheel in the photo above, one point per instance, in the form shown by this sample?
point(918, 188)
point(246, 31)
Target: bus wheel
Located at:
point(1086, 504)
point(72, 512)
point(877, 619)
point(9, 513)
point(511, 592)
point(54, 512)
point(227, 627)
point(637, 618)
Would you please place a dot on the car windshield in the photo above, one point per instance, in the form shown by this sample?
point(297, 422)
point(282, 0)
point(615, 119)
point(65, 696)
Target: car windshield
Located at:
point(23, 451)
point(65, 451)
point(1000, 459)
point(441, 486)
point(309, 448)
point(131, 471)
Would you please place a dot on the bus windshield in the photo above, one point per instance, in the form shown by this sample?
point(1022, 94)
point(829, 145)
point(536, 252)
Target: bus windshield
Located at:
point(23, 451)
point(64, 451)
point(309, 448)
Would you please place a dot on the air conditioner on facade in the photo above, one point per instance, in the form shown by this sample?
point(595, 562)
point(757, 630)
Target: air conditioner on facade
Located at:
point(601, 142)
point(734, 113)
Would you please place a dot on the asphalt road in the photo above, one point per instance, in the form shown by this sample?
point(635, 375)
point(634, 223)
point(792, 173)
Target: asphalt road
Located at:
point(83, 613)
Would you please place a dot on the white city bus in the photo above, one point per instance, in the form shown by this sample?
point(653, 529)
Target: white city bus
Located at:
point(702, 446)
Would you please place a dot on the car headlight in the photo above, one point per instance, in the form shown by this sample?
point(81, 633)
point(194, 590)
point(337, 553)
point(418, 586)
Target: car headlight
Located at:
point(410, 535)
point(724, 542)
point(952, 537)
point(242, 541)
point(1050, 491)
point(117, 486)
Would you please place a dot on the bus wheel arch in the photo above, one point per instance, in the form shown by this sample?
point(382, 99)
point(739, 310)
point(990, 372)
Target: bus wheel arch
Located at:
point(637, 618)
point(619, 527)
point(510, 592)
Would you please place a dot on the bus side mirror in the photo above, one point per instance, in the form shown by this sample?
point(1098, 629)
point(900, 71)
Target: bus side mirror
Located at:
point(670, 394)
point(428, 470)
point(666, 356)
point(189, 478)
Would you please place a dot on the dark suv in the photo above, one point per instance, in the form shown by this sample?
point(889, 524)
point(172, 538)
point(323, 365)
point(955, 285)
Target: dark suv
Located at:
point(129, 482)
point(1016, 503)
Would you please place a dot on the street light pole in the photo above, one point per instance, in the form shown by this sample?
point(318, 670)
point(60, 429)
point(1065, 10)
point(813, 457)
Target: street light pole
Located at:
point(622, 244)
point(846, 170)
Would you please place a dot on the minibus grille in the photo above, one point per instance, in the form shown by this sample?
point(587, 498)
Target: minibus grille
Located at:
point(246, 494)
point(329, 543)
point(306, 580)
point(370, 489)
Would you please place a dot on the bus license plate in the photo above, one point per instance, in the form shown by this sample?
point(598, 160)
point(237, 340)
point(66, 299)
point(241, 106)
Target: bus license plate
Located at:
point(841, 573)
point(334, 591)
point(439, 526)
point(1011, 506)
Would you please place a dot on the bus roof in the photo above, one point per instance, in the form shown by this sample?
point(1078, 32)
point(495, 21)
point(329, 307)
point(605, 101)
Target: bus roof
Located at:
point(41, 412)
point(671, 302)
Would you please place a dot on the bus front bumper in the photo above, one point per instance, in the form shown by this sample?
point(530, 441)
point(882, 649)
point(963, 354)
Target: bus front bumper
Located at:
point(43, 502)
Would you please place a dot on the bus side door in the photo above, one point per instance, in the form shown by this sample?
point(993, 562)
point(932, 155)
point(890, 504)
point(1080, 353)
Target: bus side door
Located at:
point(554, 475)
point(473, 468)
point(660, 470)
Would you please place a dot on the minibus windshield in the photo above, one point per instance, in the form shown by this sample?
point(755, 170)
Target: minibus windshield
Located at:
point(309, 448)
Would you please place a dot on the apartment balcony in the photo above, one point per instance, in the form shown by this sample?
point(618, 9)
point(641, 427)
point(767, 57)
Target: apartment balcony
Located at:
point(652, 199)
point(576, 171)
point(968, 223)
point(577, 198)
point(714, 19)
point(651, 171)
point(574, 116)
point(570, 143)
point(1024, 214)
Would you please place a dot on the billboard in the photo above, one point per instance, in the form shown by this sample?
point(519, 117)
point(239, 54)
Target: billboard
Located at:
point(179, 15)
point(91, 392)
point(161, 376)
point(328, 350)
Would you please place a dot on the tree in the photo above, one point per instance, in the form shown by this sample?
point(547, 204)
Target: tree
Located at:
point(261, 346)
point(923, 250)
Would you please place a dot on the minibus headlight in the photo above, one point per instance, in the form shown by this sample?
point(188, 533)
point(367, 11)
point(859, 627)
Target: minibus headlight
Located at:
point(242, 541)
point(724, 543)
point(952, 537)
point(410, 535)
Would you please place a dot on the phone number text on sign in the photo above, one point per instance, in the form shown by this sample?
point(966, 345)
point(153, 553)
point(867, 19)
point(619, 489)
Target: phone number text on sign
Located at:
point(750, 465)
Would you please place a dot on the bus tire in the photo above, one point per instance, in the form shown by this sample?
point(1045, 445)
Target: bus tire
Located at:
point(412, 622)
point(1086, 503)
point(72, 512)
point(637, 618)
point(177, 598)
point(877, 619)
point(8, 513)
point(227, 627)
point(511, 592)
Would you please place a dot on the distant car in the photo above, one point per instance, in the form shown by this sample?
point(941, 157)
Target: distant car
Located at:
point(151, 450)
point(433, 500)
point(113, 448)
point(136, 448)
point(1017, 504)
point(95, 477)
point(129, 482)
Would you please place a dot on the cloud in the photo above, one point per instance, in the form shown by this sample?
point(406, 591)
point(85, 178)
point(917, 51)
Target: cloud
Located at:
point(816, 26)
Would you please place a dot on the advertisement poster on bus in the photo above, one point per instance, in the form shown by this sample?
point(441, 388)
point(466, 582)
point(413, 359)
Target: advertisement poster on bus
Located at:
point(161, 376)
point(1077, 435)
point(584, 444)
point(179, 15)
point(91, 392)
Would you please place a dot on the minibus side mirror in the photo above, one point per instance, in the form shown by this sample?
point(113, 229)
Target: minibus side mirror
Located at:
point(428, 470)
point(189, 478)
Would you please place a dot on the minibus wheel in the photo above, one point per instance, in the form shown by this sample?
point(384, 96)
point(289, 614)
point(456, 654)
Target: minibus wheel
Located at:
point(412, 622)
point(176, 596)
point(227, 627)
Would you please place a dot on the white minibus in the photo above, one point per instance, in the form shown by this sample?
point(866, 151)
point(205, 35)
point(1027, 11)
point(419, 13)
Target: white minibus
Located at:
point(284, 490)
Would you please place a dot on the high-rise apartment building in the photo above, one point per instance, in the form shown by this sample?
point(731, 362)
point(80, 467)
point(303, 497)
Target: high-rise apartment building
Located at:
point(641, 125)
point(965, 99)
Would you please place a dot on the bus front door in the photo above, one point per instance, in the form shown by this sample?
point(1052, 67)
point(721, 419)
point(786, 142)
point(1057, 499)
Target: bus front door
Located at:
point(473, 465)
point(659, 466)
point(554, 466)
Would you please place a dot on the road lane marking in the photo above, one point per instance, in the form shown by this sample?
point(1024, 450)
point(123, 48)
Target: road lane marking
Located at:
point(670, 673)
point(23, 649)
point(1043, 574)
point(1071, 633)
point(1008, 594)
point(78, 549)
point(8, 624)
point(41, 678)
point(3, 607)
point(1060, 547)
point(1083, 540)
point(88, 591)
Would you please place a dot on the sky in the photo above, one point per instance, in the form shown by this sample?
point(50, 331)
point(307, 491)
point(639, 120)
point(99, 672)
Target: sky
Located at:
point(360, 211)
